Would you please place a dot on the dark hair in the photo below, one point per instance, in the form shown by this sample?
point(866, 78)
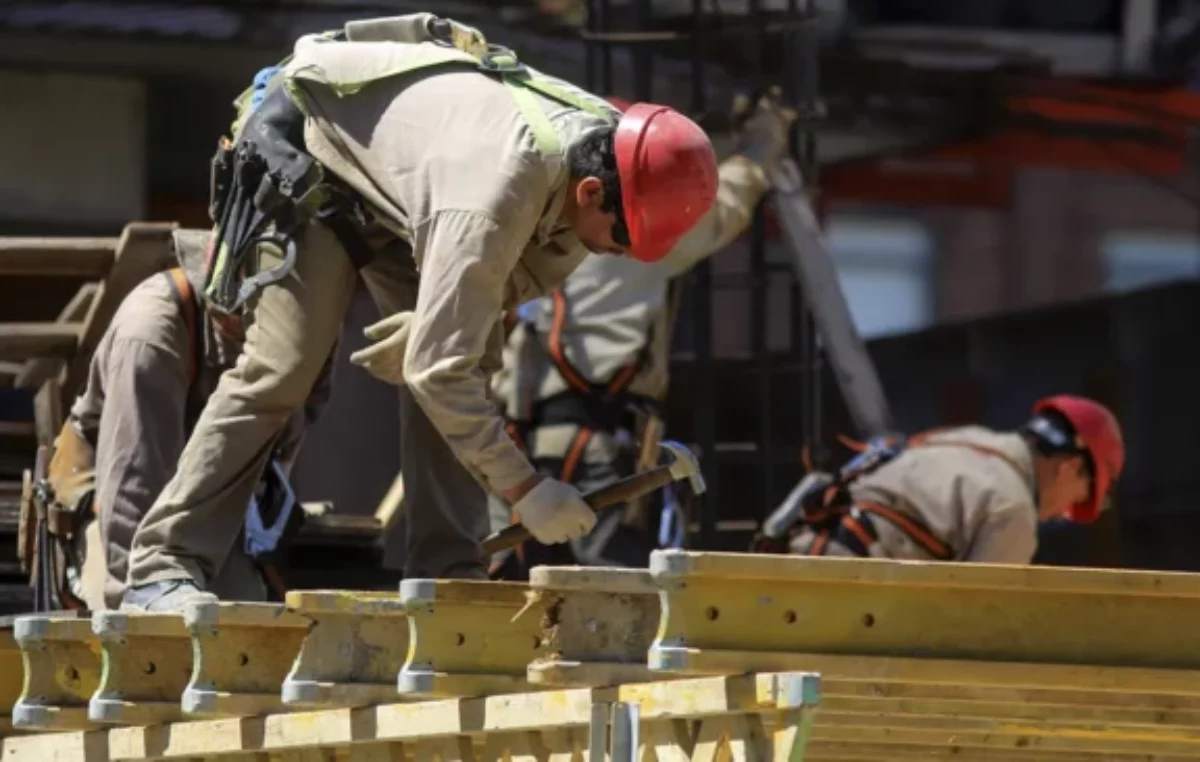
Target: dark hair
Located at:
point(594, 156)
point(1052, 433)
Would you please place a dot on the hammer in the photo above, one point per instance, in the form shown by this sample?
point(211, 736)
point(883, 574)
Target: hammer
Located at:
point(682, 465)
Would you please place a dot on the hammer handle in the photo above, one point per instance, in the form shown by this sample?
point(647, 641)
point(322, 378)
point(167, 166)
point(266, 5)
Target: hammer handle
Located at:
point(598, 500)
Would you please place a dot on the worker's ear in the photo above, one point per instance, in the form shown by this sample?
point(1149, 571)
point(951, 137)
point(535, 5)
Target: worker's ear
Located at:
point(589, 193)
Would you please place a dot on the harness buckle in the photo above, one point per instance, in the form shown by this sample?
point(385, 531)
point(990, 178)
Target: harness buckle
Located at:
point(501, 60)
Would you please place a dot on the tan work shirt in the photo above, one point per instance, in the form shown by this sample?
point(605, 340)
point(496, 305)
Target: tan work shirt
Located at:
point(611, 308)
point(447, 160)
point(980, 505)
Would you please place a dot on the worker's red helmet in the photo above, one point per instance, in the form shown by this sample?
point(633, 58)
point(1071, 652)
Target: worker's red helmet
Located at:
point(1097, 432)
point(620, 104)
point(668, 172)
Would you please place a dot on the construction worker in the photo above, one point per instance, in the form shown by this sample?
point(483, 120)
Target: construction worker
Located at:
point(586, 366)
point(969, 493)
point(152, 372)
point(459, 183)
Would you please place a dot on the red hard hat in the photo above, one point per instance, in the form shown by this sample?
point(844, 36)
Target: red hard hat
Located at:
point(1097, 431)
point(620, 104)
point(668, 173)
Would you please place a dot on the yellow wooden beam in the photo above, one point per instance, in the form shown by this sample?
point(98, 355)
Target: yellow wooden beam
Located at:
point(467, 637)
point(242, 652)
point(61, 660)
point(12, 673)
point(720, 605)
point(596, 625)
point(352, 654)
point(147, 664)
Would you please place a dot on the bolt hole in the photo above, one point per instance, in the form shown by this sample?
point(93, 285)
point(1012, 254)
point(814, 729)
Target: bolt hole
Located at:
point(537, 642)
point(72, 674)
point(460, 639)
point(711, 613)
point(150, 669)
point(243, 659)
point(868, 620)
point(789, 616)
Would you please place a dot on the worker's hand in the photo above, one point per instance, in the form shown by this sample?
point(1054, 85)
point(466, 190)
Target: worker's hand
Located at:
point(763, 137)
point(385, 358)
point(554, 512)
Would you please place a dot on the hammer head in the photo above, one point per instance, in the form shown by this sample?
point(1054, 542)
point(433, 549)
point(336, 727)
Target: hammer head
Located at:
point(684, 465)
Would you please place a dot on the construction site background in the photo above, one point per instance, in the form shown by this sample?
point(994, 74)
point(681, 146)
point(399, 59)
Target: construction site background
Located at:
point(1013, 284)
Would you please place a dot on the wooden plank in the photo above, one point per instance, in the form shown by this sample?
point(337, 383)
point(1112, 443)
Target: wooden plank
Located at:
point(62, 671)
point(757, 605)
point(9, 372)
point(48, 412)
point(352, 654)
point(64, 257)
point(17, 429)
point(143, 249)
point(242, 654)
point(147, 665)
point(12, 673)
point(596, 624)
point(24, 341)
point(37, 371)
point(468, 637)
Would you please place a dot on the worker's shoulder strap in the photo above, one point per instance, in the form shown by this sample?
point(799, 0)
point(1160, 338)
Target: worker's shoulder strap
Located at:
point(522, 83)
point(574, 378)
point(189, 309)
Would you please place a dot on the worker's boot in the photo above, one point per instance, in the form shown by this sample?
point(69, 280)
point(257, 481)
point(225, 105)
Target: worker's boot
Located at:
point(170, 595)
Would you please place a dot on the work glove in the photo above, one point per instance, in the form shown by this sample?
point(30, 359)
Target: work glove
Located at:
point(555, 512)
point(763, 138)
point(385, 358)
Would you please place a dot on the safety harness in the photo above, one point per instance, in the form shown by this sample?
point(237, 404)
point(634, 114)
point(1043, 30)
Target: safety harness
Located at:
point(837, 517)
point(266, 186)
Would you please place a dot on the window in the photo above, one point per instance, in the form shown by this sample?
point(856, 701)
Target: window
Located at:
point(1136, 260)
point(885, 268)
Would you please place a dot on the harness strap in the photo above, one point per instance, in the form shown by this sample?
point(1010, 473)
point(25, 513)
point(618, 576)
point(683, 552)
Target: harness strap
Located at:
point(189, 308)
point(575, 379)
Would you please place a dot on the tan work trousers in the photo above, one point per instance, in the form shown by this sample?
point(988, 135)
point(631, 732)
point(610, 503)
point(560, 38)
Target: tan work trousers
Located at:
point(294, 323)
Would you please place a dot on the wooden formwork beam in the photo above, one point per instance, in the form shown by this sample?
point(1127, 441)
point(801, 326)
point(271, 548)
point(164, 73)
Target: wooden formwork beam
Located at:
point(747, 717)
point(24, 341)
point(242, 652)
point(597, 625)
point(61, 659)
point(147, 665)
point(467, 637)
point(57, 257)
point(12, 673)
point(353, 653)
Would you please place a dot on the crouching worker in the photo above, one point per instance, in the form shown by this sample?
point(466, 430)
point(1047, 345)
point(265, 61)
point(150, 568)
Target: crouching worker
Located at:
point(965, 494)
point(152, 373)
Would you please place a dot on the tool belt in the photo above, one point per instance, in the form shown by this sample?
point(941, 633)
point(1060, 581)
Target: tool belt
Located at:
point(264, 188)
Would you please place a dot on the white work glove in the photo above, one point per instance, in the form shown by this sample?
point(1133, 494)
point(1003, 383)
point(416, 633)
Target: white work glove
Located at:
point(763, 137)
point(385, 358)
point(555, 512)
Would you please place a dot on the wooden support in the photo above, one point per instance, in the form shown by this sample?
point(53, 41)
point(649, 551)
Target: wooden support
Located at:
point(9, 371)
point(596, 624)
point(57, 257)
point(147, 660)
point(39, 370)
point(144, 249)
point(352, 654)
point(242, 653)
point(468, 637)
point(62, 670)
point(48, 412)
point(549, 725)
point(12, 673)
point(725, 610)
point(24, 341)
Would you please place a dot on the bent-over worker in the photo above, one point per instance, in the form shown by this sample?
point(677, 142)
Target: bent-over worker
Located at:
point(973, 494)
point(459, 183)
point(584, 364)
point(151, 374)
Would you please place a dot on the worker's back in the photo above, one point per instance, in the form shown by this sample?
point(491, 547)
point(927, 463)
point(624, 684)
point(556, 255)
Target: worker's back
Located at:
point(971, 487)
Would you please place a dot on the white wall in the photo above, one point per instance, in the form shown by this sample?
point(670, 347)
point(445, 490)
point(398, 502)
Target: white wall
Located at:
point(72, 148)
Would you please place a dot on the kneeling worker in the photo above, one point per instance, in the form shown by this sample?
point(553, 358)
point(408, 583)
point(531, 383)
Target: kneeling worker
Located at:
point(155, 367)
point(967, 493)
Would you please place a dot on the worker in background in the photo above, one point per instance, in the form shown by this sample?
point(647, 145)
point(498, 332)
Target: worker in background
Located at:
point(153, 370)
point(968, 493)
point(459, 183)
point(587, 366)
